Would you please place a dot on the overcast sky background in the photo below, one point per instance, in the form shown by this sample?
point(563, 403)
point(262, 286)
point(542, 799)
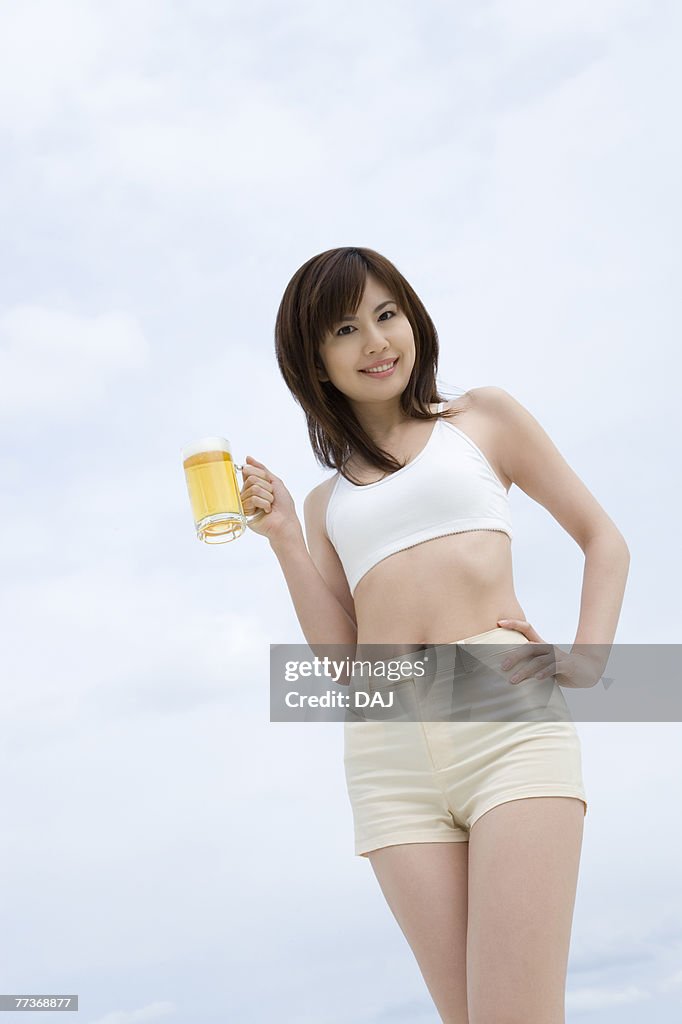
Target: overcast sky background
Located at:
point(167, 852)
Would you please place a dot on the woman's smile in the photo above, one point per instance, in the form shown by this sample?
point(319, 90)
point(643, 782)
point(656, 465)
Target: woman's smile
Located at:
point(381, 374)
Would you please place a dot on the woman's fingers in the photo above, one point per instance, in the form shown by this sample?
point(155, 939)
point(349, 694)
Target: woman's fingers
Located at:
point(526, 651)
point(254, 503)
point(254, 468)
point(540, 657)
point(537, 668)
point(256, 472)
point(522, 627)
point(263, 490)
point(257, 491)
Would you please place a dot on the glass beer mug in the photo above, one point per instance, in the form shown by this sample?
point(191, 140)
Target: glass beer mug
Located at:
point(214, 490)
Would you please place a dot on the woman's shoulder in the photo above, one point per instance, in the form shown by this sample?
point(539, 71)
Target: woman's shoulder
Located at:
point(453, 406)
point(480, 414)
point(480, 400)
point(322, 490)
point(316, 502)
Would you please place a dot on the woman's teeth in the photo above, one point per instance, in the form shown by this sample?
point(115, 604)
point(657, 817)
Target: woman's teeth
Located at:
point(382, 368)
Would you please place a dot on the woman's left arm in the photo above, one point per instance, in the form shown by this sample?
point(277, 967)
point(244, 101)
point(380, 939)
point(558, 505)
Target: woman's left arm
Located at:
point(531, 460)
point(607, 560)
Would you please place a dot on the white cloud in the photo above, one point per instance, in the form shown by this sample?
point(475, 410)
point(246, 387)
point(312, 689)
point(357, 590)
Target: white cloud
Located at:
point(671, 983)
point(58, 363)
point(124, 642)
point(154, 1011)
point(533, 20)
point(47, 51)
point(584, 1000)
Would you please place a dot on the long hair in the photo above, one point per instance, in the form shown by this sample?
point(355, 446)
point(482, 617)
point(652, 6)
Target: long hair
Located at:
point(319, 294)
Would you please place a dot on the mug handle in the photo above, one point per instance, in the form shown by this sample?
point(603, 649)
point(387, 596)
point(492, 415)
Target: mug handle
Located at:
point(261, 511)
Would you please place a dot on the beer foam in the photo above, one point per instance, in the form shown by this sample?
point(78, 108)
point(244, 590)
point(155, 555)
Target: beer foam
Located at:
point(206, 444)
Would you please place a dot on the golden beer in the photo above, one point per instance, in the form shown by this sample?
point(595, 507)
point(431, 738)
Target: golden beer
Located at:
point(213, 487)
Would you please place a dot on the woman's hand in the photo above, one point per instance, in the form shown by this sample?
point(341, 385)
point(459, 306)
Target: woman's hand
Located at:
point(262, 489)
point(573, 669)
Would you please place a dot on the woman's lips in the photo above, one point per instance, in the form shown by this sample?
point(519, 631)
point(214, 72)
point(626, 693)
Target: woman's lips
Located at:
point(384, 373)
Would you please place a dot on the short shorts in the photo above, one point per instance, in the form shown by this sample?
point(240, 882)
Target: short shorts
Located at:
point(429, 782)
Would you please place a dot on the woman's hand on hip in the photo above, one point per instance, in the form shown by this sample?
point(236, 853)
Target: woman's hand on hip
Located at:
point(540, 660)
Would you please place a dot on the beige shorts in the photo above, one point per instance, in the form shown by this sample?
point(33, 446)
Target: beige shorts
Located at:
point(429, 782)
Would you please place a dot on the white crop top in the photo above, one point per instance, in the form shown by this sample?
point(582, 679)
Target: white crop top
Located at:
point(448, 487)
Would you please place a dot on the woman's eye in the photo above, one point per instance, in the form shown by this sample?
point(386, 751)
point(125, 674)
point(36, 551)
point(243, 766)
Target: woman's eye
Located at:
point(392, 313)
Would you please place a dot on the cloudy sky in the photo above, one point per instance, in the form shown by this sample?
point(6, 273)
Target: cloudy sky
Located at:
point(167, 852)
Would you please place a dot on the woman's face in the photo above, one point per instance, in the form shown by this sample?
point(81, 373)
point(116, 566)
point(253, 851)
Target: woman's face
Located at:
point(378, 333)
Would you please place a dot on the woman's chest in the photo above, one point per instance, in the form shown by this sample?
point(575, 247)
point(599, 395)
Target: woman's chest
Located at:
point(471, 423)
point(449, 487)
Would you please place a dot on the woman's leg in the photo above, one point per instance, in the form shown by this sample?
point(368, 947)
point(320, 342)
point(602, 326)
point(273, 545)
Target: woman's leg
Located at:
point(425, 885)
point(523, 871)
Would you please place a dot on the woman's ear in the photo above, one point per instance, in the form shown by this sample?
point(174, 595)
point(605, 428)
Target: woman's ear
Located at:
point(321, 372)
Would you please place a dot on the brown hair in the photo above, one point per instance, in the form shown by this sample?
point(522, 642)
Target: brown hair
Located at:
point(319, 294)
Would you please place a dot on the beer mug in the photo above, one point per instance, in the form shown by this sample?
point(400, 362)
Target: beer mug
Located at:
point(214, 490)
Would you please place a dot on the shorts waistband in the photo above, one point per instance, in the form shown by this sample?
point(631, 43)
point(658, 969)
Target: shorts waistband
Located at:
point(499, 632)
point(513, 636)
point(491, 636)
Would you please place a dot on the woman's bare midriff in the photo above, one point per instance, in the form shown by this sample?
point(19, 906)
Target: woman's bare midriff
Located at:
point(447, 588)
point(438, 591)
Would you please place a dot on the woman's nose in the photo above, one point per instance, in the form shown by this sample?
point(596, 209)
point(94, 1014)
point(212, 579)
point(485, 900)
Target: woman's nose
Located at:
point(377, 341)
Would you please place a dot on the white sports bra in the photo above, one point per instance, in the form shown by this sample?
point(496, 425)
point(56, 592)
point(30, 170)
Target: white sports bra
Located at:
point(448, 487)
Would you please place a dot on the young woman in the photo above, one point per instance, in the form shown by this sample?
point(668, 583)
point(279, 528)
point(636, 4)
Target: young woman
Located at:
point(473, 829)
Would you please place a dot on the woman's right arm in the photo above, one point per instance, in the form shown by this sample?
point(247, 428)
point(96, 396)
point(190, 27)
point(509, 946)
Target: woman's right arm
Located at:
point(315, 577)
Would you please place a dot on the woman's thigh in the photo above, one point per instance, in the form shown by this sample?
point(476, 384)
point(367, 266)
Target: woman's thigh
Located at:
point(523, 870)
point(425, 886)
